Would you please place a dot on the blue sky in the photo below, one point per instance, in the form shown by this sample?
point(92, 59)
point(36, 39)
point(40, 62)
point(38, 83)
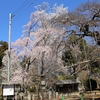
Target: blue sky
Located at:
point(21, 18)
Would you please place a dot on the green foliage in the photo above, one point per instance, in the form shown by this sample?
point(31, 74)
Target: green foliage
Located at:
point(73, 38)
point(68, 58)
point(71, 77)
point(32, 89)
point(59, 76)
point(82, 46)
point(95, 66)
point(3, 48)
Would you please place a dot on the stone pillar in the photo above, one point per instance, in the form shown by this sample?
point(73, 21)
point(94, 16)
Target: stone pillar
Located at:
point(33, 97)
point(50, 94)
point(15, 96)
point(25, 98)
point(29, 96)
point(5, 98)
point(56, 94)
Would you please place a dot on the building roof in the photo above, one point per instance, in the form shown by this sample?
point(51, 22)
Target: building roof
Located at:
point(67, 82)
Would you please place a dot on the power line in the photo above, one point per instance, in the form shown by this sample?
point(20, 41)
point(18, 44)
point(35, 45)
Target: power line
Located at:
point(21, 7)
point(27, 6)
point(23, 11)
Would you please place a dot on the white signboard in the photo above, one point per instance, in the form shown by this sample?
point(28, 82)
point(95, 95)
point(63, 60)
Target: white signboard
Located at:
point(8, 90)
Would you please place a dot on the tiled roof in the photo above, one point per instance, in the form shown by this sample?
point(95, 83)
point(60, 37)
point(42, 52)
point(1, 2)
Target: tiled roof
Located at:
point(67, 82)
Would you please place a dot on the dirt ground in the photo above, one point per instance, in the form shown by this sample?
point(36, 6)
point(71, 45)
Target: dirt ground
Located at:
point(77, 96)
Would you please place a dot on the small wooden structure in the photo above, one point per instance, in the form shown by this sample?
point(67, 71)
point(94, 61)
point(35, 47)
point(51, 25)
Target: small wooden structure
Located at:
point(66, 86)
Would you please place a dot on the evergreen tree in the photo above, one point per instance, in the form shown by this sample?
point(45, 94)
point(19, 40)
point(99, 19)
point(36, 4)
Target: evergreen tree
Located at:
point(3, 48)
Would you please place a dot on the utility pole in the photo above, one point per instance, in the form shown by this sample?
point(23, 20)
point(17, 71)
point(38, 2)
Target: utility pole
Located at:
point(9, 45)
